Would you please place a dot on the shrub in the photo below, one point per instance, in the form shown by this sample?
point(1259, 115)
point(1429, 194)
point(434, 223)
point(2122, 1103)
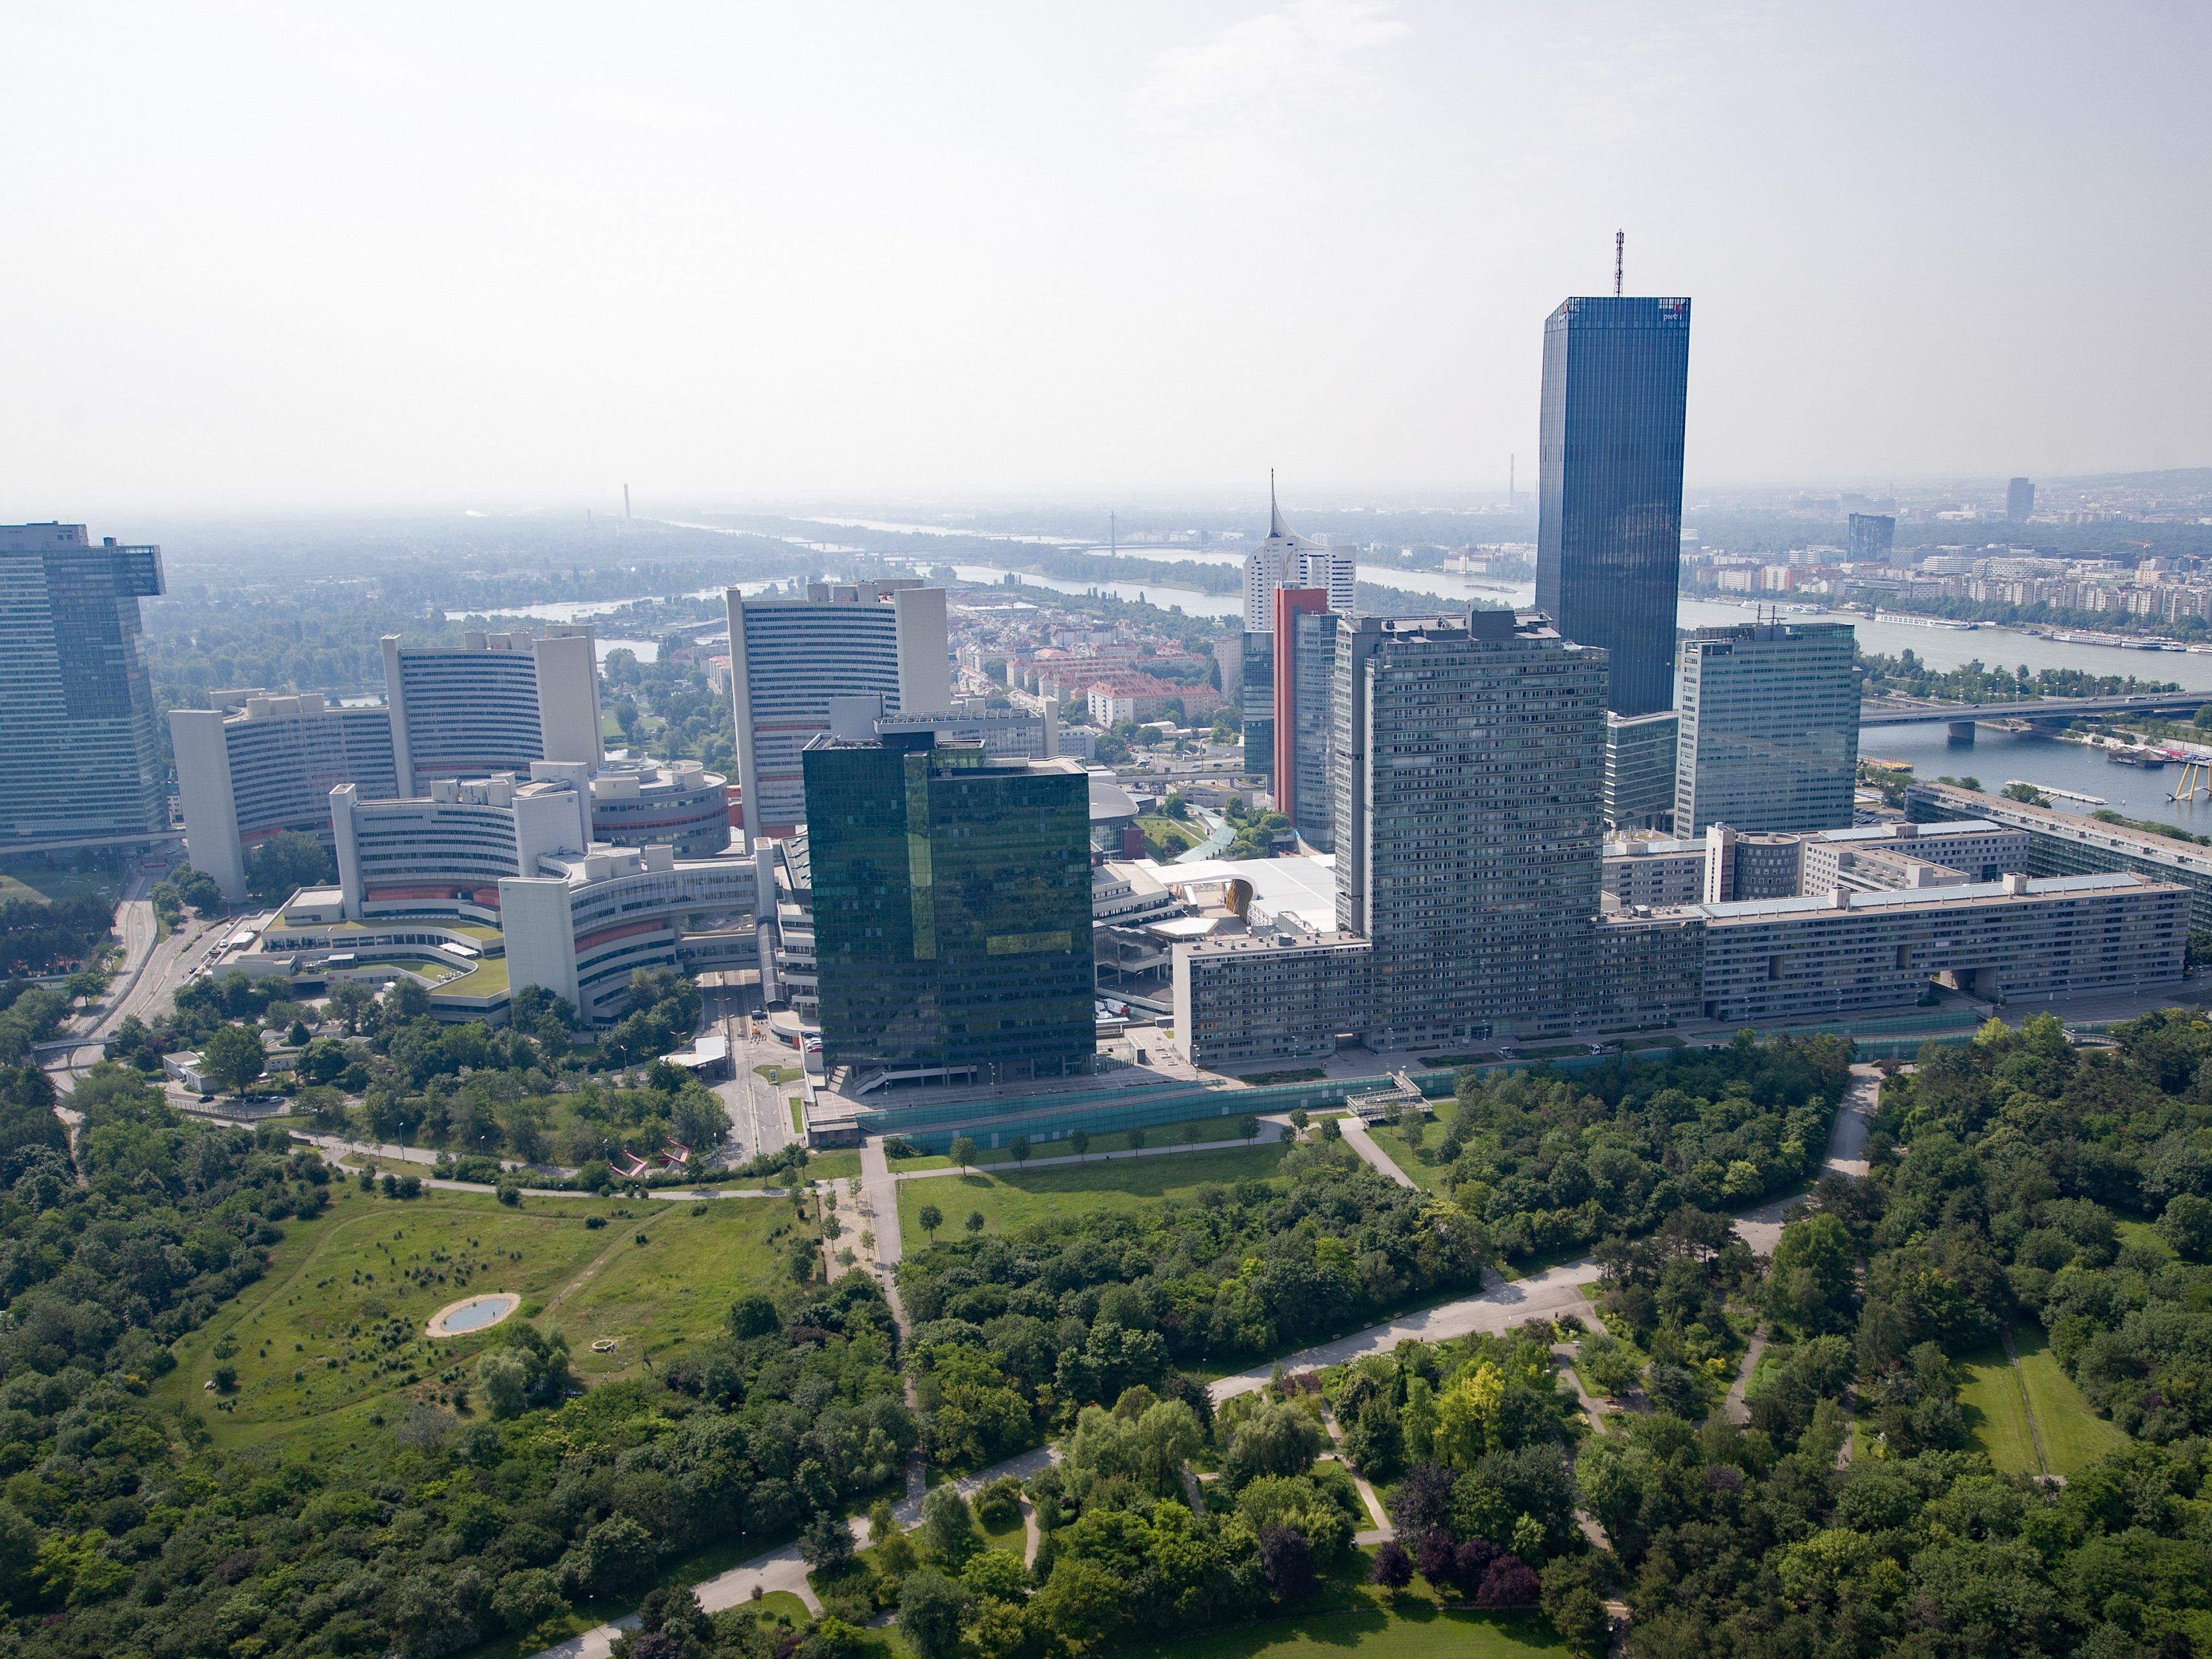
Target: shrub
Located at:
point(1393, 1568)
point(1511, 1582)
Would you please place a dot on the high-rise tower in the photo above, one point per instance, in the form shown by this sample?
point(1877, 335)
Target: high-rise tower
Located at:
point(789, 658)
point(1305, 653)
point(494, 703)
point(76, 711)
point(1288, 559)
point(1467, 758)
point(1609, 518)
point(1769, 738)
point(952, 914)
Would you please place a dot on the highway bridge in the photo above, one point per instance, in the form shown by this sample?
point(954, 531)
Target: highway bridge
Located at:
point(2055, 710)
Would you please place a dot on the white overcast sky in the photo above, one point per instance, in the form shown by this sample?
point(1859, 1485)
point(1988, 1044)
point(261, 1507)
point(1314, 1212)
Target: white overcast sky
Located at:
point(398, 255)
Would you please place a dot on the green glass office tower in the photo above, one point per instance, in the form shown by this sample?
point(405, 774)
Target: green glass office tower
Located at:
point(952, 908)
point(1609, 519)
point(77, 713)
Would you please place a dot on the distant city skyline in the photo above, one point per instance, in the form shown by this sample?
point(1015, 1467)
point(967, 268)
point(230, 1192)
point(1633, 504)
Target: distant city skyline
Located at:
point(1001, 250)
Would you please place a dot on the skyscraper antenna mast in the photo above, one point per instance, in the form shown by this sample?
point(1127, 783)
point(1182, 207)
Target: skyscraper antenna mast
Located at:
point(1618, 237)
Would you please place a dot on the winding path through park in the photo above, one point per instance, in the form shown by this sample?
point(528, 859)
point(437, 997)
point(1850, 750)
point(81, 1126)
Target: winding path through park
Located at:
point(1500, 1306)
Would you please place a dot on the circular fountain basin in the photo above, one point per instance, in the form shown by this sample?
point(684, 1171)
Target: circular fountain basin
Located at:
point(473, 1313)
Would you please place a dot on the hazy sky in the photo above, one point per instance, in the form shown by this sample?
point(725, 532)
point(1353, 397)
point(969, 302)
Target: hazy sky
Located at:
point(514, 255)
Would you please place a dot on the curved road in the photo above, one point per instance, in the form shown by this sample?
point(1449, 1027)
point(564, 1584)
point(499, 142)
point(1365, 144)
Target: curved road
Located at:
point(150, 975)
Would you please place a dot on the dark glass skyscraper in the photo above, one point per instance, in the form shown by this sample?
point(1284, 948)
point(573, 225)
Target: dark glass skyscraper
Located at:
point(1869, 537)
point(1609, 526)
point(952, 908)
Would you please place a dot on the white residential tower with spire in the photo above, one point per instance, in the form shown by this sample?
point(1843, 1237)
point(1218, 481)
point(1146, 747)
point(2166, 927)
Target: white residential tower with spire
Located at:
point(1288, 559)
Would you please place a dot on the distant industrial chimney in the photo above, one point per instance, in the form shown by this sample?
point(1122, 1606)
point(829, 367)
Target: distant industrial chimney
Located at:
point(625, 501)
point(1618, 238)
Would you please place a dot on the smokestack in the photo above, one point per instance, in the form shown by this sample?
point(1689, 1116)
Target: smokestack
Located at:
point(625, 501)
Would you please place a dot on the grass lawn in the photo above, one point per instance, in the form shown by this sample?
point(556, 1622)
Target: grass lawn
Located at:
point(1997, 1412)
point(436, 974)
point(41, 881)
point(1012, 1202)
point(1014, 1539)
point(1191, 1130)
point(840, 1165)
point(2073, 1434)
point(1414, 1629)
point(1267, 1079)
point(2143, 1236)
point(675, 1289)
point(333, 1334)
point(778, 1074)
point(1172, 835)
point(487, 978)
point(1398, 1146)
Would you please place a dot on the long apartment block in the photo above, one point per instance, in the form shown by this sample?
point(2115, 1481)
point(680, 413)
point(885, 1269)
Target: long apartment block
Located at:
point(2062, 844)
point(1769, 961)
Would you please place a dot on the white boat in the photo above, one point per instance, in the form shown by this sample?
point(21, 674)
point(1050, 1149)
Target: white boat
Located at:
point(2064, 794)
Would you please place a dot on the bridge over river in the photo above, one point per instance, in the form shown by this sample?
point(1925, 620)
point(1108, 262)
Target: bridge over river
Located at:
point(2054, 711)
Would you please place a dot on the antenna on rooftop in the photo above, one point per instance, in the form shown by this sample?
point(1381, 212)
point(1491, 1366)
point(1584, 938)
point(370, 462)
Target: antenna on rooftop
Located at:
point(626, 487)
point(1618, 238)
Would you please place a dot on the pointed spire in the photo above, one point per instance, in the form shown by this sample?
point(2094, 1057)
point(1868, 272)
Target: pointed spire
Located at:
point(1275, 525)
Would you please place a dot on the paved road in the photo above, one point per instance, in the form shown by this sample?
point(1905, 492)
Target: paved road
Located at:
point(1761, 1228)
point(149, 976)
point(338, 1147)
point(1357, 1137)
point(759, 1111)
point(1733, 1407)
point(1498, 1310)
point(783, 1570)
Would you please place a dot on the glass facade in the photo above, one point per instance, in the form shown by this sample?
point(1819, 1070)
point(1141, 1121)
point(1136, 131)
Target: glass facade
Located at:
point(1869, 537)
point(1256, 695)
point(952, 908)
point(76, 710)
point(1305, 653)
point(1769, 737)
point(1639, 772)
point(1609, 527)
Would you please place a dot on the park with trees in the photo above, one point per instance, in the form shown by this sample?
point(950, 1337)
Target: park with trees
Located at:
point(1954, 1408)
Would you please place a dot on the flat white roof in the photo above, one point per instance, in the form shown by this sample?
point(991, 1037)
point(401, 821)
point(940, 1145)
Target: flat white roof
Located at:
point(708, 1048)
point(1887, 832)
point(1303, 886)
point(1934, 897)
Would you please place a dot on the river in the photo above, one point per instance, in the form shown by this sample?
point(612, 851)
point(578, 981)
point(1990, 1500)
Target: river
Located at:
point(1998, 757)
point(1939, 647)
point(1995, 757)
point(576, 611)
